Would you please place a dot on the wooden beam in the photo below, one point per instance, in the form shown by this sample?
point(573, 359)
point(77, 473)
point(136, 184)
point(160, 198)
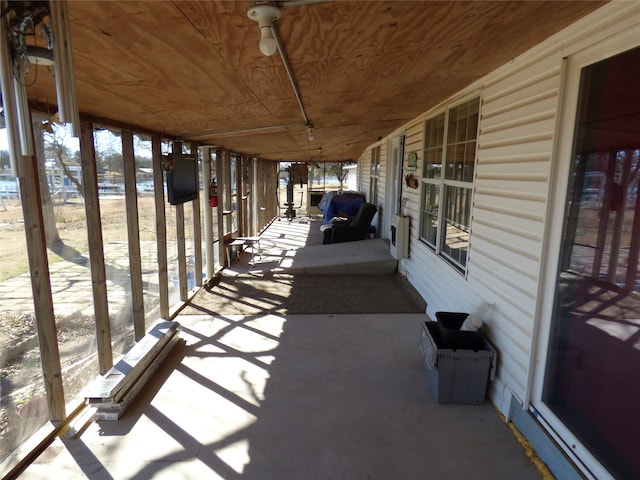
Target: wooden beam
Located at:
point(208, 219)
point(112, 385)
point(161, 226)
point(248, 193)
point(182, 261)
point(256, 183)
point(133, 234)
point(618, 221)
point(240, 195)
point(96, 252)
point(115, 411)
point(45, 109)
point(634, 247)
point(221, 202)
point(604, 210)
point(180, 241)
point(41, 286)
point(197, 225)
point(115, 390)
point(228, 191)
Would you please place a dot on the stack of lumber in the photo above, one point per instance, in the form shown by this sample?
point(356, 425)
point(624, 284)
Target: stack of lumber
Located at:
point(114, 391)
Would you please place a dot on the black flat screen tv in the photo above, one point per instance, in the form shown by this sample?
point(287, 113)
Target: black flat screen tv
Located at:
point(182, 179)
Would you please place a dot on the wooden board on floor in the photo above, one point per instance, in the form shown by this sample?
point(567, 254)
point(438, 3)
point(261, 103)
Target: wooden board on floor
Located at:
point(110, 386)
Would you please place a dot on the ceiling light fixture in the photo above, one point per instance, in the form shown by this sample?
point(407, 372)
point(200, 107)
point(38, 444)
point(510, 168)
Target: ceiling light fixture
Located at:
point(265, 15)
point(39, 55)
point(310, 133)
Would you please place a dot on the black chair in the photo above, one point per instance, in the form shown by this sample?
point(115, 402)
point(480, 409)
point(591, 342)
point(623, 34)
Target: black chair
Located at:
point(355, 230)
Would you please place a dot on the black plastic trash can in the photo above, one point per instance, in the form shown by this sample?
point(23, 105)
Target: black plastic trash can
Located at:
point(449, 324)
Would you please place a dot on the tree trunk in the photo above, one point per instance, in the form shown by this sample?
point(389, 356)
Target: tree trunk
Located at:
point(69, 174)
point(50, 227)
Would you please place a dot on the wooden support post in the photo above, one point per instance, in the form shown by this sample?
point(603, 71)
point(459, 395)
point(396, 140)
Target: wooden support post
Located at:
point(133, 231)
point(573, 214)
point(222, 188)
point(618, 222)
point(248, 192)
point(208, 220)
point(228, 191)
point(180, 241)
point(161, 226)
point(255, 206)
point(240, 196)
point(604, 215)
point(182, 261)
point(634, 247)
point(96, 253)
point(197, 225)
point(41, 286)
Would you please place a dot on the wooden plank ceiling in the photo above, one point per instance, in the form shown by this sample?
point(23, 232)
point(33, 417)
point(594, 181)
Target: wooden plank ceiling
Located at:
point(192, 69)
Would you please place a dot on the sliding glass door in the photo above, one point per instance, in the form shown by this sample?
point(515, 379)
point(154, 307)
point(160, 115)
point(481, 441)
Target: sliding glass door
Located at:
point(592, 380)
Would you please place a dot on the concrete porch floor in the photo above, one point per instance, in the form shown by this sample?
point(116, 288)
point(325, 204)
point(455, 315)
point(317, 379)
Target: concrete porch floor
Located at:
point(259, 392)
point(297, 397)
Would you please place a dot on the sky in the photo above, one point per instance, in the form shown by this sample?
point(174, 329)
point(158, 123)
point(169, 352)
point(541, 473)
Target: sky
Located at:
point(105, 140)
point(4, 145)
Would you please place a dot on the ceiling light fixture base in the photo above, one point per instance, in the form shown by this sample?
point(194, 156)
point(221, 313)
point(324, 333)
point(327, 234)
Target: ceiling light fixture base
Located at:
point(265, 15)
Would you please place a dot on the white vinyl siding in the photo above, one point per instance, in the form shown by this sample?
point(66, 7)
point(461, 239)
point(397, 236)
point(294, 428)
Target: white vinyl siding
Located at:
point(364, 169)
point(518, 115)
point(382, 173)
point(517, 125)
point(382, 191)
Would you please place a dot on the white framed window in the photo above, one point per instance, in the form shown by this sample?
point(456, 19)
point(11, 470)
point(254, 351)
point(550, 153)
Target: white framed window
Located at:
point(449, 157)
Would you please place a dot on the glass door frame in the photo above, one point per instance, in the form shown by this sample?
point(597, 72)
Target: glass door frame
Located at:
point(571, 73)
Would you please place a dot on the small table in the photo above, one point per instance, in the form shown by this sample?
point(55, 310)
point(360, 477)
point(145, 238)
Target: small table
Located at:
point(242, 242)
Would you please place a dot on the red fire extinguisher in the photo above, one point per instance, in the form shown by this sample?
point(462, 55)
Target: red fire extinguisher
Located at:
point(213, 194)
